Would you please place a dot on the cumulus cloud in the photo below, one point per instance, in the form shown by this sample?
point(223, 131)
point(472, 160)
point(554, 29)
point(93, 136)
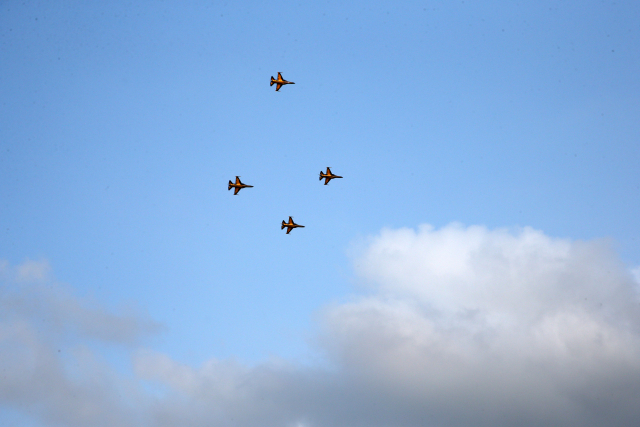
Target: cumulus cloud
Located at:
point(47, 363)
point(636, 274)
point(495, 327)
point(459, 326)
point(28, 292)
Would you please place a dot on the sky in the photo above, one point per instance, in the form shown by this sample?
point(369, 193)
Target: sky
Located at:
point(478, 264)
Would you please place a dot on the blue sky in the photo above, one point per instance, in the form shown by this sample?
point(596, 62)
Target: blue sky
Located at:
point(122, 123)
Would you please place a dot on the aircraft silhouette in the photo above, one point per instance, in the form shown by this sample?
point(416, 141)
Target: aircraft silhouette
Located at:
point(290, 226)
point(328, 176)
point(279, 82)
point(238, 185)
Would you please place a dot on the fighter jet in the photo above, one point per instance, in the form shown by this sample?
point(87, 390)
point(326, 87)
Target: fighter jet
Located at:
point(328, 176)
point(290, 226)
point(279, 82)
point(238, 185)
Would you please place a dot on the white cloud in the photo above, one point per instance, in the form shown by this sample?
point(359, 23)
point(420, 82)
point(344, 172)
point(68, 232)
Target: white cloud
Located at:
point(481, 323)
point(522, 275)
point(29, 293)
point(47, 365)
point(33, 271)
point(462, 326)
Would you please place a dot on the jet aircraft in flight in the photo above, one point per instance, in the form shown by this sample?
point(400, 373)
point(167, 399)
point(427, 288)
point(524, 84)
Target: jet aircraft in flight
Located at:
point(328, 176)
point(290, 226)
point(279, 82)
point(238, 185)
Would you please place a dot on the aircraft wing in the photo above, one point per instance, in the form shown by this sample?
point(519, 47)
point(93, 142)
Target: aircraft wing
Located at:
point(278, 86)
point(280, 76)
point(236, 191)
point(238, 180)
point(326, 180)
point(289, 229)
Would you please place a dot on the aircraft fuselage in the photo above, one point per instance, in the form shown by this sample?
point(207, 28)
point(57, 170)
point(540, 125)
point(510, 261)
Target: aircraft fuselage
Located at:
point(324, 175)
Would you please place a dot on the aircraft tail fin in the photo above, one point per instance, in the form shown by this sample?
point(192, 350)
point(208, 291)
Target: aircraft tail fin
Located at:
point(282, 228)
point(272, 81)
point(230, 184)
point(320, 175)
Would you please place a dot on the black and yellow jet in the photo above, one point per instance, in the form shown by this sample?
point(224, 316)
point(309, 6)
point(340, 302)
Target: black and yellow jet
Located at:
point(328, 176)
point(290, 226)
point(238, 185)
point(279, 82)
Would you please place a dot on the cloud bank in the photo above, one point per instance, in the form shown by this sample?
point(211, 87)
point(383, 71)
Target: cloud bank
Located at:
point(457, 326)
point(495, 327)
point(48, 364)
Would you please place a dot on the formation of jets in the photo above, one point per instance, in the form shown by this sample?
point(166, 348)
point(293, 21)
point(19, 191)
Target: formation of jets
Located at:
point(238, 185)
